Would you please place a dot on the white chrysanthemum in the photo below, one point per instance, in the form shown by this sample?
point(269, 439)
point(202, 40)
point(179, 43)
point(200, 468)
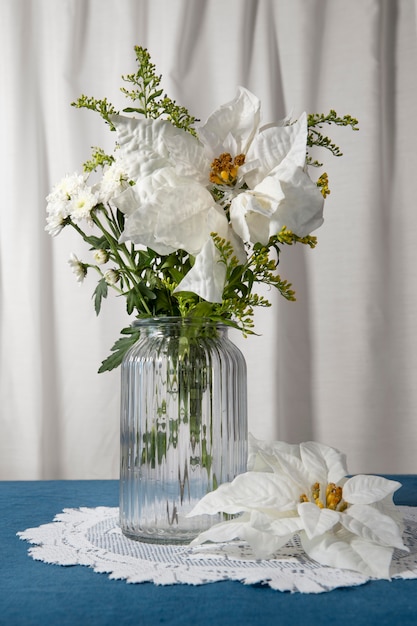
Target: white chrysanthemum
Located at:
point(66, 188)
point(82, 203)
point(347, 523)
point(114, 181)
point(79, 268)
point(55, 222)
point(61, 202)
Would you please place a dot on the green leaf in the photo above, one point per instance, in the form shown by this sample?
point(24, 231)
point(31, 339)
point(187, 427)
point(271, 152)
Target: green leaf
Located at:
point(146, 292)
point(203, 309)
point(120, 220)
point(134, 110)
point(98, 242)
point(155, 94)
point(176, 275)
point(119, 349)
point(130, 301)
point(100, 292)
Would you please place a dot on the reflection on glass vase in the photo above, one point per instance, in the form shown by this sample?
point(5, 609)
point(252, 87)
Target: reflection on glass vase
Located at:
point(183, 425)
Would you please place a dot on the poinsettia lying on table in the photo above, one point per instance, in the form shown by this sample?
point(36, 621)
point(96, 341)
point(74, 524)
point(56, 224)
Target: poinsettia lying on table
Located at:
point(349, 523)
point(185, 221)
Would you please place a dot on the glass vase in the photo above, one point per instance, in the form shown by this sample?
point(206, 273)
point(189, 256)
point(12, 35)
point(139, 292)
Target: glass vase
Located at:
point(183, 426)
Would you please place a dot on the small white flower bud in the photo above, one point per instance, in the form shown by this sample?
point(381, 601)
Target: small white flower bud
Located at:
point(111, 277)
point(101, 256)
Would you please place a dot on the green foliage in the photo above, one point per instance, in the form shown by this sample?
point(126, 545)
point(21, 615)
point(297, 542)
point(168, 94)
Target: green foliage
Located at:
point(103, 107)
point(239, 296)
point(122, 345)
point(147, 93)
point(316, 121)
point(98, 159)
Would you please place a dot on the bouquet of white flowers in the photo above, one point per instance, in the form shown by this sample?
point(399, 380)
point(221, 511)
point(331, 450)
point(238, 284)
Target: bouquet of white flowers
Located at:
point(186, 221)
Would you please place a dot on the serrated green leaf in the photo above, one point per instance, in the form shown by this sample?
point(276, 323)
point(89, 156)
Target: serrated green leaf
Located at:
point(100, 292)
point(130, 301)
point(119, 349)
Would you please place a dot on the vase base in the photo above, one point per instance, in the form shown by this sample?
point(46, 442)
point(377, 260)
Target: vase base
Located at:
point(160, 537)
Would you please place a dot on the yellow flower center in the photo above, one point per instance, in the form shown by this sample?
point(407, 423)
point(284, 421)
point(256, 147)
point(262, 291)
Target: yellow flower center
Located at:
point(334, 497)
point(225, 168)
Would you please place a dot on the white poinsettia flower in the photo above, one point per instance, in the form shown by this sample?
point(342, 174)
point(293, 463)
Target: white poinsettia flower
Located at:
point(259, 172)
point(166, 211)
point(249, 181)
point(348, 523)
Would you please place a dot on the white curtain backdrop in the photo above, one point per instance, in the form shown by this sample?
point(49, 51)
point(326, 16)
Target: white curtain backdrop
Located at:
point(340, 364)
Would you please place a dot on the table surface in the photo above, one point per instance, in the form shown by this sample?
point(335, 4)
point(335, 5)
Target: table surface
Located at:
point(35, 593)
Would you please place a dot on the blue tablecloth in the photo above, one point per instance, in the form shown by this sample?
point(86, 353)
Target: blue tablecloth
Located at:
point(34, 593)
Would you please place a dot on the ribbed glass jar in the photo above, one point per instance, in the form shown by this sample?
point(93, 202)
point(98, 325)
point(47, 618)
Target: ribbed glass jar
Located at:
point(183, 425)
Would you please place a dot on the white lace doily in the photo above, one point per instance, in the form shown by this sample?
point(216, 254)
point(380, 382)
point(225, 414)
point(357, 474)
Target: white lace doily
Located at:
point(93, 538)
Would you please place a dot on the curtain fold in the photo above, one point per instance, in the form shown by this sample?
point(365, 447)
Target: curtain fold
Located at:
point(339, 365)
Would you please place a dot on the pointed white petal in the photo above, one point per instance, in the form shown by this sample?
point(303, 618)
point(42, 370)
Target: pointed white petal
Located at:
point(279, 524)
point(250, 216)
point(207, 276)
point(128, 201)
point(232, 126)
point(219, 533)
point(142, 143)
point(250, 491)
point(301, 209)
point(273, 145)
point(140, 226)
point(366, 489)
point(183, 220)
point(287, 198)
point(372, 525)
point(190, 157)
point(324, 463)
point(316, 521)
point(167, 212)
point(263, 544)
point(349, 553)
point(271, 447)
